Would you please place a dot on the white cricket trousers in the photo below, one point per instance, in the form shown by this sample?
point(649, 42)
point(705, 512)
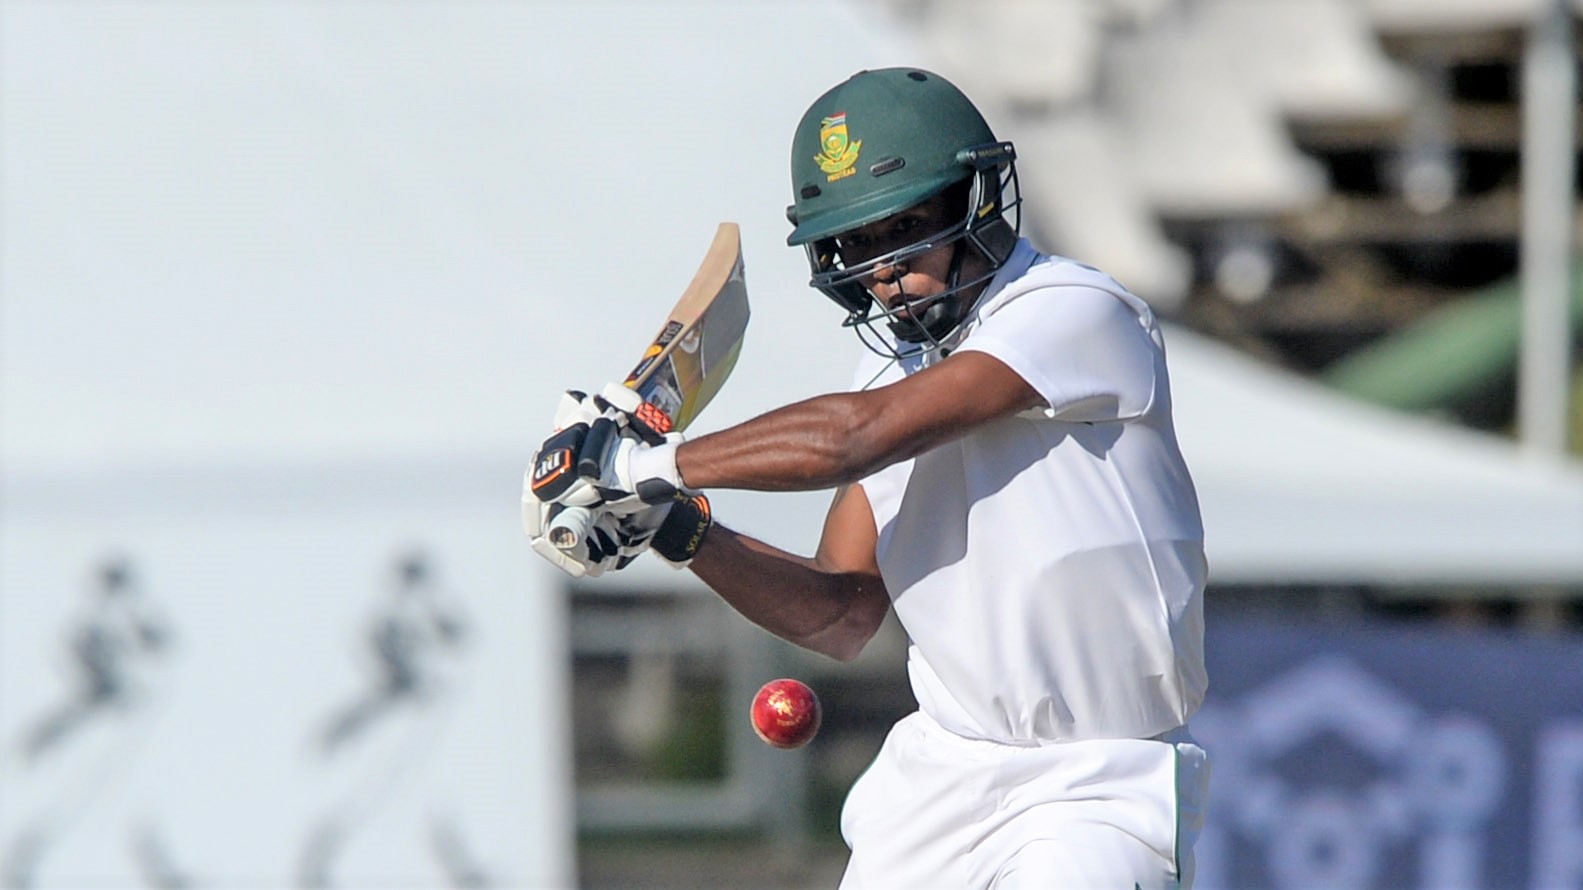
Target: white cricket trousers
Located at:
point(936, 810)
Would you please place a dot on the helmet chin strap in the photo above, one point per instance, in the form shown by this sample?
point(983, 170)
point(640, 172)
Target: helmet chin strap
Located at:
point(941, 316)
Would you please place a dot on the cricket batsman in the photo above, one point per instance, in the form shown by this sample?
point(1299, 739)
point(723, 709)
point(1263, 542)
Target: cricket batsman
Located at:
point(1007, 479)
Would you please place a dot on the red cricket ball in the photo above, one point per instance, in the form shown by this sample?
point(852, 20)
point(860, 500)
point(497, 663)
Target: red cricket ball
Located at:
point(786, 713)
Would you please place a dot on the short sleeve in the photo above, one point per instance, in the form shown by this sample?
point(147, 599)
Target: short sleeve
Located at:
point(1086, 351)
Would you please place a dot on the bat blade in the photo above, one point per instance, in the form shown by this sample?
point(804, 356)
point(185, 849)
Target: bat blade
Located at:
point(690, 359)
point(697, 347)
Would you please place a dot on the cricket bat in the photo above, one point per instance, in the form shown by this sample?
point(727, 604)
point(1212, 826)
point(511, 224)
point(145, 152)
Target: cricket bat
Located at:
point(685, 365)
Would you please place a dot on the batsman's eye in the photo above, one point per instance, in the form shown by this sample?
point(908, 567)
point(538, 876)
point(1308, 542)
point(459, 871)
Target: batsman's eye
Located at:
point(849, 244)
point(893, 236)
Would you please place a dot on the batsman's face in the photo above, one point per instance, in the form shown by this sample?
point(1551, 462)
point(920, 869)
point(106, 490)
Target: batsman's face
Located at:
point(913, 275)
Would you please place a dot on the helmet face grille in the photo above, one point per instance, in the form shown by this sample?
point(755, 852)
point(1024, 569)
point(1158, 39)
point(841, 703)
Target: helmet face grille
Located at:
point(990, 225)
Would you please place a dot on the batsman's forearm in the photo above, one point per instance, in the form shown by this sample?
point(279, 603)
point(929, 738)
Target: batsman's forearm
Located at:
point(806, 446)
point(791, 596)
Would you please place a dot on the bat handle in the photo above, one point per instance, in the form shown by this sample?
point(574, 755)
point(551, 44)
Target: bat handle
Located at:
point(570, 527)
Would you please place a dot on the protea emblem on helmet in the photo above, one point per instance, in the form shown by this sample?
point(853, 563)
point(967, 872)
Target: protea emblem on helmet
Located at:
point(837, 152)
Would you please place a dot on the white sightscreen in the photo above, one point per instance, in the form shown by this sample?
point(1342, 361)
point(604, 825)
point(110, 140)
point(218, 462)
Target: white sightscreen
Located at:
point(277, 681)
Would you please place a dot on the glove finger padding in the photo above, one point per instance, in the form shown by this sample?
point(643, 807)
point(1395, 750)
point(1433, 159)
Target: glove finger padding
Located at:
point(598, 551)
point(602, 546)
point(575, 407)
point(637, 529)
point(623, 397)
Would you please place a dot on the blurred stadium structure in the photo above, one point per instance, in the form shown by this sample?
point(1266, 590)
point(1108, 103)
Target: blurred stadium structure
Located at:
point(1326, 183)
point(1324, 196)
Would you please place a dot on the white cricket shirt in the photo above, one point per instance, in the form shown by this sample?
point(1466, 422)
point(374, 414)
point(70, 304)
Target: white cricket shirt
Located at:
point(1048, 567)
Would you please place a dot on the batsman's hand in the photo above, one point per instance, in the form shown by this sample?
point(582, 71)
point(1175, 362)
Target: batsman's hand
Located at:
point(554, 476)
point(673, 530)
point(637, 475)
point(603, 452)
point(606, 546)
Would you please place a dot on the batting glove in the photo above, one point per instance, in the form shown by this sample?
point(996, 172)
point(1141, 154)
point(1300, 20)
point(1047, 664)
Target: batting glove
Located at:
point(604, 454)
point(636, 474)
point(673, 530)
point(605, 547)
point(554, 475)
point(687, 521)
point(596, 454)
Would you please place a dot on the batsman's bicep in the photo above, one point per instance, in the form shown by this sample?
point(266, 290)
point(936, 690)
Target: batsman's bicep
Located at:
point(847, 562)
point(847, 544)
point(942, 403)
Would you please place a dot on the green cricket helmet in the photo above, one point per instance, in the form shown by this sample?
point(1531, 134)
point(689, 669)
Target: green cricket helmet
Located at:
point(877, 144)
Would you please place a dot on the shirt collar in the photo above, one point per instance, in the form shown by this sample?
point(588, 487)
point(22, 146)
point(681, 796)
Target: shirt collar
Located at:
point(1022, 258)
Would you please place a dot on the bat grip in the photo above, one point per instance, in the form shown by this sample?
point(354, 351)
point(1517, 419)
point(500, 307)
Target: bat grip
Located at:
point(570, 527)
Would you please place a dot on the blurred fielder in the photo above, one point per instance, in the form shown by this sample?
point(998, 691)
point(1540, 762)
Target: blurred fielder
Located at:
point(1007, 479)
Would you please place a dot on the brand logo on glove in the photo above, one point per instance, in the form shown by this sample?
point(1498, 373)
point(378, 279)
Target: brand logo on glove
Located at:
point(701, 522)
point(679, 538)
point(555, 466)
point(551, 467)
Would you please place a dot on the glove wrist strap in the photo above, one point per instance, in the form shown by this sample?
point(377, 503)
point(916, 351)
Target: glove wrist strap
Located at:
point(683, 531)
